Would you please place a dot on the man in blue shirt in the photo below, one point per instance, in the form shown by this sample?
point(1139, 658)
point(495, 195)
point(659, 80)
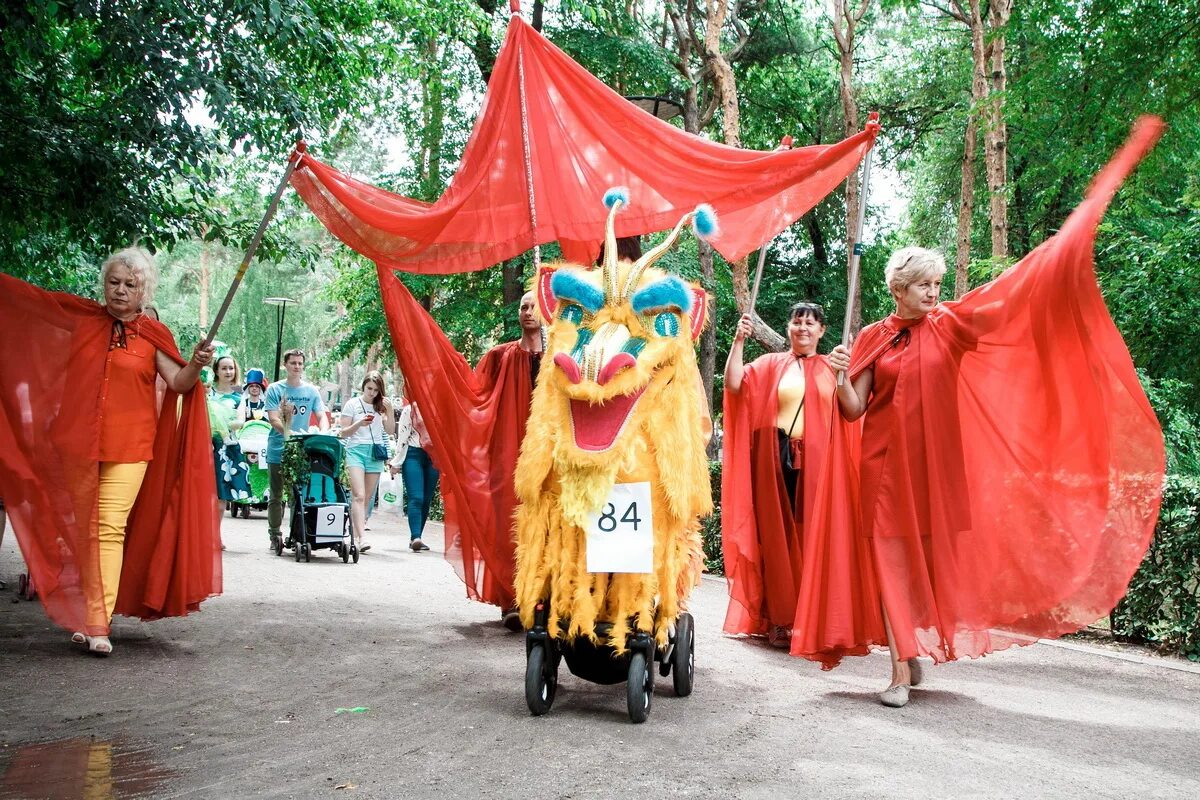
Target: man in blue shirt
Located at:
point(301, 400)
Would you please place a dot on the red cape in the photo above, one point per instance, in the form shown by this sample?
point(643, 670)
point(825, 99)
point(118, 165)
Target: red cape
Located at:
point(768, 559)
point(1011, 486)
point(475, 423)
point(52, 354)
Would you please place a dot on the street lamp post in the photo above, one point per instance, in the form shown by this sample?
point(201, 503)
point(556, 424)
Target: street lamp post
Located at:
point(280, 304)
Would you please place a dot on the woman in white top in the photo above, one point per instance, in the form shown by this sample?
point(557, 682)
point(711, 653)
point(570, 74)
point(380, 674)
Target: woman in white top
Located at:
point(366, 422)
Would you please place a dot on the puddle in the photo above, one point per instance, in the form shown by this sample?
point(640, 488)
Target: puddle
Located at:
point(79, 769)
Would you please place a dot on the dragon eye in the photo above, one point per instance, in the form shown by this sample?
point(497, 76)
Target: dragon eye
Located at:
point(666, 324)
point(571, 313)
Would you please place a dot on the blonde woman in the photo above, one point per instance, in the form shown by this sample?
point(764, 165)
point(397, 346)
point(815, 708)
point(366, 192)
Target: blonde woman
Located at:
point(136, 535)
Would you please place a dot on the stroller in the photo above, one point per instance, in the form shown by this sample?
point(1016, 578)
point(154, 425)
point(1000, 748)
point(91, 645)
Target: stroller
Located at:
point(252, 438)
point(320, 508)
point(600, 663)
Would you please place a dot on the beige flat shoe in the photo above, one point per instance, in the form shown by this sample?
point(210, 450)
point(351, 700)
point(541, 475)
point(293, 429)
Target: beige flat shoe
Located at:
point(99, 645)
point(895, 696)
point(916, 672)
point(79, 638)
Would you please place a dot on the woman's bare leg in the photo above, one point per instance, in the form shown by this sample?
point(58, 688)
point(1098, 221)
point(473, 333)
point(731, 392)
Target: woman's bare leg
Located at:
point(358, 502)
point(901, 675)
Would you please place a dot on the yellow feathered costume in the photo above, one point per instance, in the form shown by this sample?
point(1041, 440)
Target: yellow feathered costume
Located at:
point(618, 400)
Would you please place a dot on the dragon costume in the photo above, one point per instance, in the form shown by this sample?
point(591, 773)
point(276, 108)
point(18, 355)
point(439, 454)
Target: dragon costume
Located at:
point(618, 400)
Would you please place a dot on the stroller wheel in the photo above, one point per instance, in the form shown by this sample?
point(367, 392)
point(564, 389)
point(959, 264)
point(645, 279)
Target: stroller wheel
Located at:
point(354, 553)
point(639, 689)
point(277, 543)
point(233, 510)
point(307, 552)
point(344, 552)
point(245, 512)
point(541, 680)
point(683, 657)
point(298, 552)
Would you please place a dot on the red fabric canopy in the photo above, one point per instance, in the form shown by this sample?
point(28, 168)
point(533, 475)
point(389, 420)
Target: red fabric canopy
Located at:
point(582, 139)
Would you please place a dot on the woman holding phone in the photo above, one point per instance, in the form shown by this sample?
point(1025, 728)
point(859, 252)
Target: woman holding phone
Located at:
point(365, 424)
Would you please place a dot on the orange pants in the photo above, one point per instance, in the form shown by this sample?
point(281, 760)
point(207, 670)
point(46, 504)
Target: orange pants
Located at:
point(118, 489)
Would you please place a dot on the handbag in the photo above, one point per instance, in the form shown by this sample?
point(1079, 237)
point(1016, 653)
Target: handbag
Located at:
point(378, 449)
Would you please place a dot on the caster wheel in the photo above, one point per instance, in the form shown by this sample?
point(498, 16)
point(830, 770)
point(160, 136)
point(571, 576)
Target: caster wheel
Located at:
point(639, 689)
point(277, 543)
point(233, 510)
point(307, 553)
point(541, 680)
point(245, 512)
point(354, 553)
point(683, 657)
point(298, 552)
point(344, 552)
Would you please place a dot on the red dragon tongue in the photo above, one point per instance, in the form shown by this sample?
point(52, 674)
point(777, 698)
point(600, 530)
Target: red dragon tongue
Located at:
point(596, 427)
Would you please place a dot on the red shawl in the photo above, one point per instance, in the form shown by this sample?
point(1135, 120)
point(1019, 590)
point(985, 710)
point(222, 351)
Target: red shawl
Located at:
point(505, 372)
point(767, 554)
point(52, 354)
point(1012, 465)
point(475, 424)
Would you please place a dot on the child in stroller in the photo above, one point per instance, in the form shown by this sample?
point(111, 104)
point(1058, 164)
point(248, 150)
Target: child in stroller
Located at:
point(319, 500)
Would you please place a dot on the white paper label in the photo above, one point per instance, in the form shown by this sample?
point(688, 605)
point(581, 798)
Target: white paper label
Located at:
point(620, 536)
point(329, 521)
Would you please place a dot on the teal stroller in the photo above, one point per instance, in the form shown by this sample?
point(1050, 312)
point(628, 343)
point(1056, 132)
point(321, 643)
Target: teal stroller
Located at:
point(320, 503)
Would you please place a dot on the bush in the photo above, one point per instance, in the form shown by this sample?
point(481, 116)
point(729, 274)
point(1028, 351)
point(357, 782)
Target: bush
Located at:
point(710, 526)
point(1162, 605)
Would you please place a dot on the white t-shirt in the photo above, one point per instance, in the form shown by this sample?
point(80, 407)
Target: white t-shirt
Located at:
point(373, 433)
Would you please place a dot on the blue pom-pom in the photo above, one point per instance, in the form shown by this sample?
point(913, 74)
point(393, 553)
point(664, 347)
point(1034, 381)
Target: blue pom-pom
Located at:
point(705, 221)
point(614, 194)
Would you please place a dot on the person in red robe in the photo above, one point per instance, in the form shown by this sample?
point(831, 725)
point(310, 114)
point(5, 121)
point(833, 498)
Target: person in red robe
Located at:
point(783, 443)
point(1012, 466)
point(112, 503)
point(507, 372)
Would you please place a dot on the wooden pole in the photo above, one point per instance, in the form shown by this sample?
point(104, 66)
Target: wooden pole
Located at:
point(293, 161)
point(855, 254)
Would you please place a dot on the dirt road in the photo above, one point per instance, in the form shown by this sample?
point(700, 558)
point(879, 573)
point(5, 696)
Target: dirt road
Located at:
point(243, 699)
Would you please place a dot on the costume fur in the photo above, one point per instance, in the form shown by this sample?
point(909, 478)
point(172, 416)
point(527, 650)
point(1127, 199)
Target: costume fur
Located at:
point(615, 332)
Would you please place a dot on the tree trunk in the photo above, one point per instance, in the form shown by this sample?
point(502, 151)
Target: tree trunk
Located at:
point(513, 289)
point(845, 19)
point(996, 134)
point(966, 204)
point(482, 48)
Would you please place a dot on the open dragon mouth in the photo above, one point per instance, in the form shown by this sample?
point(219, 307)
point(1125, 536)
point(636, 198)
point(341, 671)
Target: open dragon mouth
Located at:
point(596, 427)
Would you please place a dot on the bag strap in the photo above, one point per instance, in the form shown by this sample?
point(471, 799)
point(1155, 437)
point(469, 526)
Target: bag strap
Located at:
point(800, 407)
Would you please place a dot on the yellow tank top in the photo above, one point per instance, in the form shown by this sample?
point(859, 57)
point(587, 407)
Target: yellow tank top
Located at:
point(791, 394)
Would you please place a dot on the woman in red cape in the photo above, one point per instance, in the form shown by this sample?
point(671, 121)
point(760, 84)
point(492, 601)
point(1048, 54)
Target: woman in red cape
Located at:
point(782, 405)
point(55, 354)
point(1011, 464)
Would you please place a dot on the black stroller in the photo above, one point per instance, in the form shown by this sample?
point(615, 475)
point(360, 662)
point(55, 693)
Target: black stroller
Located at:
point(320, 508)
point(600, 663)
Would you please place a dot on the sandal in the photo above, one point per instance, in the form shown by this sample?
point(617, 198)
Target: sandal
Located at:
point(79, 637)
point(99, 645)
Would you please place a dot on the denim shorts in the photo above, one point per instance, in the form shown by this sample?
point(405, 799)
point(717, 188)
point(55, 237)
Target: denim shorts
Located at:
point(360, 456)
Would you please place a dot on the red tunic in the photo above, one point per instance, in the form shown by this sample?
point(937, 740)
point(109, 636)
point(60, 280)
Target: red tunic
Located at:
point(781, 570)
point(1012, 466)
point(53, 351)
point(128, 398)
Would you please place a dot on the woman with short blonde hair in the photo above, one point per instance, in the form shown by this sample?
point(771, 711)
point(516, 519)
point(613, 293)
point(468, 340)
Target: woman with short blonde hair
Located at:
point(142, 542)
